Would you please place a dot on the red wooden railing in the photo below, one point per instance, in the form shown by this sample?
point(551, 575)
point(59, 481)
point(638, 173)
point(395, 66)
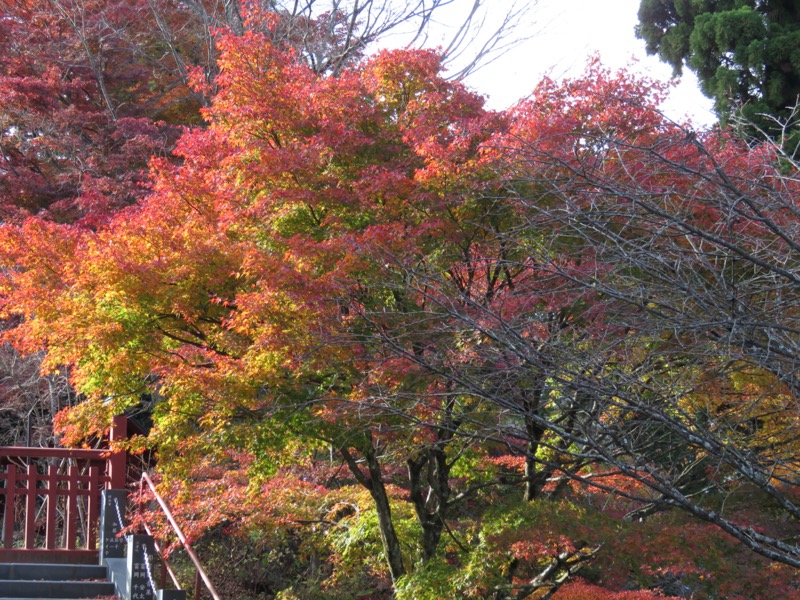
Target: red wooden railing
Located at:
point(53, 515)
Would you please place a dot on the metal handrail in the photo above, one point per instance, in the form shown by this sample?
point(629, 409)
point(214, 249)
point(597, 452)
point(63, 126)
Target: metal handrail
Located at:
point(201, 574)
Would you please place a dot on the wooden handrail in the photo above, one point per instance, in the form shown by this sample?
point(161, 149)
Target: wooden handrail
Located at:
point(201, 574)
point(77, 453)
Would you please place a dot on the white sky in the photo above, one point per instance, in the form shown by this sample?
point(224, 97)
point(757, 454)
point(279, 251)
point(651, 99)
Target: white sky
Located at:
point(569, 31)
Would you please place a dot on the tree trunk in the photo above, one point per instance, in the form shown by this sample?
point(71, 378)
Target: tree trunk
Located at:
point(535, 432)
point(427, 506)
point(373, 481)
point(431, 506)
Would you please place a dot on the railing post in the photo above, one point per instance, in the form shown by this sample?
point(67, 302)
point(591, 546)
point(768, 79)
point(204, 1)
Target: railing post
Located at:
point(141, 557)
point(113, 518)
point(116, 463)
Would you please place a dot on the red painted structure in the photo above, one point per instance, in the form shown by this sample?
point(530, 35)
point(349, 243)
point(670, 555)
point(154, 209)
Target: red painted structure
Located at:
point(51, 498)
point(53, 515)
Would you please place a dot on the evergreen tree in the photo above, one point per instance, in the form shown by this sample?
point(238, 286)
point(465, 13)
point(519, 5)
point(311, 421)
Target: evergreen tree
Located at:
point(746, 53)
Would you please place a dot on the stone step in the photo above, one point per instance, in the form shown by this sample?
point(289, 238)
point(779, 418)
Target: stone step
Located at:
point(54, 581)
point(52, 572)
point(21, 588)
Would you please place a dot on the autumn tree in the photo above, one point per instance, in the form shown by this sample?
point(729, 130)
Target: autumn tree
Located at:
point(691, 235)
point(92, 90)
point(368, 277)
point(75, 130)
point(235, 296)
point(664, 352)
point(373, 269)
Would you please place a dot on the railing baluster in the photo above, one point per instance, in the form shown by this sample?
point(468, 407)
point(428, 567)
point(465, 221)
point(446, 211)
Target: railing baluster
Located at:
point(72, 508)
point(197, 581)
point(52, 507)
point(93, 507)
point(30, 506)
point(8, 514)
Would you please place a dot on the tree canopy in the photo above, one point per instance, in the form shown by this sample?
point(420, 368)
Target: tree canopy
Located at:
point(90, 91)
point(743, 52)
point(399, 342)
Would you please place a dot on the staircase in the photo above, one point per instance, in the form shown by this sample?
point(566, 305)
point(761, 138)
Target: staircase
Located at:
point(62, 513)
point(54, 581)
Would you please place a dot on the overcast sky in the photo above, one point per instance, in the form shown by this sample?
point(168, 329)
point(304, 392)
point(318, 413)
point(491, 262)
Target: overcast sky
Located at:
point(565, 33)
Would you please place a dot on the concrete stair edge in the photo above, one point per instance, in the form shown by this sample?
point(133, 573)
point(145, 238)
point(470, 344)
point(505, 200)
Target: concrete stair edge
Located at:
point(55, 581)
point(118, 574)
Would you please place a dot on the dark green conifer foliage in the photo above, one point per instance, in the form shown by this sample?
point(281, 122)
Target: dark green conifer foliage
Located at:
point(746, 53)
